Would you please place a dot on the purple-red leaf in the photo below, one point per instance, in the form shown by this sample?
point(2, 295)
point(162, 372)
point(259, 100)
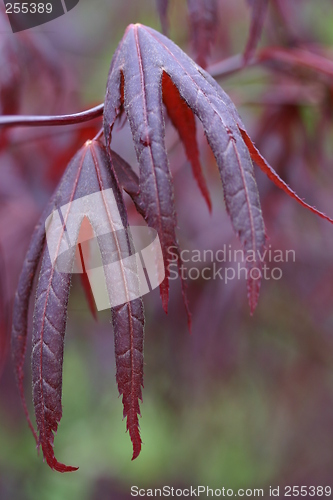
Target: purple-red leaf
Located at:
point(21, 304)
point(183, 120)
point(273, 176)
point(130, 183)
point(89, 172)
point(142, 57)
point(127, 318)
point(128, 180)
point(50, 316)
point(140, 70)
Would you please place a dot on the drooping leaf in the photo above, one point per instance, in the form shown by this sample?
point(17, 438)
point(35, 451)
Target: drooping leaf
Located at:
point(127, 318)
point(203, 21)
point(128, 180)
point(130, 183)
point(50, 317)
point(142, 57)
point(284, 121)
point(21, 304)
point(273, 176)
point(89, 172)
point(258, 14)
point(183, 120)
point(145, 115)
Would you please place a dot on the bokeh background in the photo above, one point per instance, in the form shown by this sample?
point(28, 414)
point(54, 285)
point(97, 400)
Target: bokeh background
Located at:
point(243, 402)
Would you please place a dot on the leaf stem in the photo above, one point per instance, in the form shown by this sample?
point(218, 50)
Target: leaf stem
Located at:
point(38, 121)
point(225, 67)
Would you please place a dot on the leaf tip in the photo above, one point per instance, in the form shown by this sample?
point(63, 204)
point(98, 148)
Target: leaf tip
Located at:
point(136, 440)
point(136, 452)
point(58, 466)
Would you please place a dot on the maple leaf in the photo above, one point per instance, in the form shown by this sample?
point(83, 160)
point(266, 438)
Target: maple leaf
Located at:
point(128, 180)
point(147, 70)
point(131, 184)
point(137, 69)
point(273, 176)
point(183, 120)
point(90, 171)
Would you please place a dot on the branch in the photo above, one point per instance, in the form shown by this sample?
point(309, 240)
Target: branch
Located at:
point(38, 121)
point(296, 57)
point(225, 67)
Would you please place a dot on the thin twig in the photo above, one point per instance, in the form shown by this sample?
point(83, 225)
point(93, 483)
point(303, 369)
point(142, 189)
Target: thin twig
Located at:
point(224, 68)
point(38, 121)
